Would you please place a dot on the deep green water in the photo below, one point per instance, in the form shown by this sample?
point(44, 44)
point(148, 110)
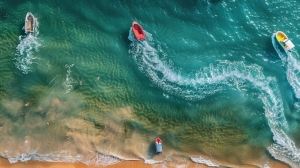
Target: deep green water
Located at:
point(209, 81)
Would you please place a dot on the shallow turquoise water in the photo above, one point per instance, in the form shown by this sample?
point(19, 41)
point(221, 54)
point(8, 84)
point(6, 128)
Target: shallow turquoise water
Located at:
point(209, 80)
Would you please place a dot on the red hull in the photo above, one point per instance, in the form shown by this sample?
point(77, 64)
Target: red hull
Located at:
point(138, 31)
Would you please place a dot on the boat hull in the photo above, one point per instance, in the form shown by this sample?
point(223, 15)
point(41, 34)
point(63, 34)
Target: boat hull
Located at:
point(284, 41)
point(158, 145)
point(29, 23)
point(138, 31)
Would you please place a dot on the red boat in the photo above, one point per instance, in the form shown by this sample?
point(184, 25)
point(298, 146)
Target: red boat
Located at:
point(158, 145)
point(138, 31)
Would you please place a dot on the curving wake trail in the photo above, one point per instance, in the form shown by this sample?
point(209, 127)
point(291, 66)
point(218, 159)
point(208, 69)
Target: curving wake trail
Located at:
point(216, 78)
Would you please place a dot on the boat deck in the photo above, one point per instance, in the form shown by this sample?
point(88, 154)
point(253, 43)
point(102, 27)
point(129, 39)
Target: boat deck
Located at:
point(29, 24)
point(281, 37)
point(138, 28)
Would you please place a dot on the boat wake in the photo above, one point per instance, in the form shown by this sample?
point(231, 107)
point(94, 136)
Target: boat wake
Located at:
point(68, 83)
point(216, 78)
point(25, 51)
point(292, 62)
point(293, 71)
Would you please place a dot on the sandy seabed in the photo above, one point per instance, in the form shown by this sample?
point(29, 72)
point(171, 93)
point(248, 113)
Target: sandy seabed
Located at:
point(4, 163)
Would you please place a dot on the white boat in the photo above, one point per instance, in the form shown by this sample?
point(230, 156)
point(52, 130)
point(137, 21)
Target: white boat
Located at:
point(29, 23)
point(284, 41)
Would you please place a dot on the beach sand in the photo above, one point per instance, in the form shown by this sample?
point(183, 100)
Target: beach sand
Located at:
point(4, 163)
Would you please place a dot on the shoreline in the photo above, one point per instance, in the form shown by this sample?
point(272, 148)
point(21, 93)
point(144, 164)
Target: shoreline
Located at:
point(4, 163)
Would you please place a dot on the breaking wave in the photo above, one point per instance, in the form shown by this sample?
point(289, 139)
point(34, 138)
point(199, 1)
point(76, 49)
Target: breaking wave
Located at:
point(29, 151)
point(204, 161)
point(64, 156)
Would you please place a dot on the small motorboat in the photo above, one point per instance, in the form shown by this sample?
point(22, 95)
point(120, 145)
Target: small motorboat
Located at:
point(284, 41)
point(158, 145)
point(29, 23)
point(138, 31)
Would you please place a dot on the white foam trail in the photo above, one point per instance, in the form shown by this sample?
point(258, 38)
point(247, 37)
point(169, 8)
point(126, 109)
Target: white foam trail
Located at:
point(292, 62)
point(215, 78)
point(68, 83)
point(29, 44)
point(204, 161)
point(286, 150)
point(293, 72)
point(25, 53)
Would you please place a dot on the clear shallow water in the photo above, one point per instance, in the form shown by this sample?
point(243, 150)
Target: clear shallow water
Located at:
point(209, 80)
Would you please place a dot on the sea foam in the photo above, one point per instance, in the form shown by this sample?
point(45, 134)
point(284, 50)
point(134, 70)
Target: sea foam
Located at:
point(25, 51)
point(69, 81)
point(64, 156)
point(286, 149)
point(205, 161)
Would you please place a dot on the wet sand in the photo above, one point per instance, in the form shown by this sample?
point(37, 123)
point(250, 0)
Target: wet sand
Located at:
point(4, 163)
